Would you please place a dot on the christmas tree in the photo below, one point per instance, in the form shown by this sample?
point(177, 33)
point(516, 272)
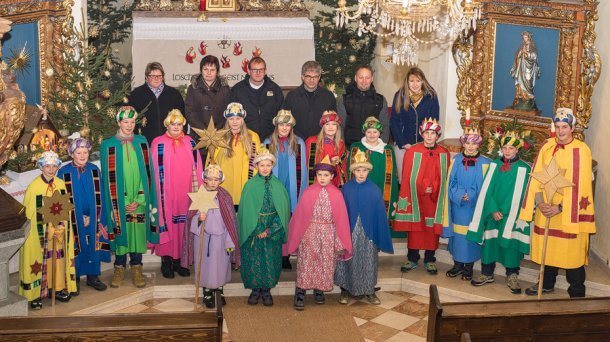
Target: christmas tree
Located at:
point(340, 50)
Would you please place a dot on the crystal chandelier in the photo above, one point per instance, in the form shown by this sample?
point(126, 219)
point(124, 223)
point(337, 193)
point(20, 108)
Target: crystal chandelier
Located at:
point(412, 22)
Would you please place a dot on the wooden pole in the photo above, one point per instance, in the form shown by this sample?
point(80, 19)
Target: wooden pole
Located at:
point(53, 270)
point(540, 199)
point(199, 270)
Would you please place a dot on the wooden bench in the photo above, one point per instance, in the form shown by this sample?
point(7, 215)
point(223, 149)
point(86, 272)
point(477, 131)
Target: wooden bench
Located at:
point(183, 326)
point(586, 319)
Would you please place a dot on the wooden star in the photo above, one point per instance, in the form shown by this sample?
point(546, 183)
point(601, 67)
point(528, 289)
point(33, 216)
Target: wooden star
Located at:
point(551, 179)
point(203, 200)
point(211, 138)
point(56, 208)
point(36, 267)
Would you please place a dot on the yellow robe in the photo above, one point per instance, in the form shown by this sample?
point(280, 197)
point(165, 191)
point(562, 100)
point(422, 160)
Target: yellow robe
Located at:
point(568, 241)
point(238, 168)
point(34, 269)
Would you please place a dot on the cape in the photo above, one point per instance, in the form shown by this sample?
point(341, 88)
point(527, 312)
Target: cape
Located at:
point(364, 200)
point(113, 183)
point(302, 215)
point(297, 170)
point(252, 202)
point(316, 153)
point(423, 167)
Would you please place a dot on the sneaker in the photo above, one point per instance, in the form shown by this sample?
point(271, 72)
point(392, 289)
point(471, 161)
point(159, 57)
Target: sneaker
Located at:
point(513, 283)
point(454, 272)
point(299, 299)
point(96, 283)
point(137, 277)
point(467, 272)
point(373, 299)
point(36, 304)
point(431, 267)
point(482, 280)
point(318, 297)
point(254, 296)
point(407, 266)
point(267, 298)
point(344, 298)
point(63, 296)
point(208, 298)
point(117, 277)
point(533, 290)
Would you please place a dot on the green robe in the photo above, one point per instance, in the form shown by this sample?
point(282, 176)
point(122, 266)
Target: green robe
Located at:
point(264, 206)
point(506, 240)
point(126, 178)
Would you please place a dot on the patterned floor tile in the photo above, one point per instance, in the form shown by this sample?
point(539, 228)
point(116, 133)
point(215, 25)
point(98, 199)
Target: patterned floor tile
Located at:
point(405, 337)
point(366, 311)
point(377, 332)
point(389, 300)
point(152, 310)
point(412, 308)
point(359, 321)
point(153, 302)
point(419, 328)
point(421, 299)
point(395, 320)
point(402, 294)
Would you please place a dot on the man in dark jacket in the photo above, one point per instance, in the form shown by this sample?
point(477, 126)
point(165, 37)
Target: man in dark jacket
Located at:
point(158, 97)
point(358, 103)
point(309, 101)
point(260, 96)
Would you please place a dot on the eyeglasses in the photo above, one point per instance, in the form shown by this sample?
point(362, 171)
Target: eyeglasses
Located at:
point(155, 77)
point(311, 77)
point(258, 70)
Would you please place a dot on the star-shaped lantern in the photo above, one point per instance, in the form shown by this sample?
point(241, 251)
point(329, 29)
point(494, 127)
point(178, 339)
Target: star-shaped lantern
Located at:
point(211, 138)
point(203, 200)
point(551, 179)
point(56, 208)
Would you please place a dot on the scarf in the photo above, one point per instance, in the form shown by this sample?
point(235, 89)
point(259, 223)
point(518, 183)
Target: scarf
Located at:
point(124, 140)
point(506, 163)
point(282, 141)
point(415, 98)
point(49, 183)
point(378, 148)
point(177, 141)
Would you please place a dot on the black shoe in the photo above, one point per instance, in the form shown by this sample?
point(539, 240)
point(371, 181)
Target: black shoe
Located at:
point(208, 298)
point(318, 297)
point(286, 263)
point(36, 304)
point(183, 272)
point(467, 274)
point(96, 283)
point(267, 299)
point(454, 271)
point(533, 290)
point(254, 296)
point(62, 296)
point(299, 299)
point(166, 267)
point(222, 296)
point(74, 294)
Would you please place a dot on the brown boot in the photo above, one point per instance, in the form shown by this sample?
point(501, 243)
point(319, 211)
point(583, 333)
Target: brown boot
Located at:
point(137, 276)
point(117, 278)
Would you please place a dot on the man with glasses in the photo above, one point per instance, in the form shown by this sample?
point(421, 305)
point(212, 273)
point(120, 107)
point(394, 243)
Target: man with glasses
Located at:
point(158, 97)
point(260, 97)
point(309, 101)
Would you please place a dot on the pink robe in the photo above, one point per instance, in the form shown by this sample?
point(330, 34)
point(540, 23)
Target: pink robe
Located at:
point(178, 174)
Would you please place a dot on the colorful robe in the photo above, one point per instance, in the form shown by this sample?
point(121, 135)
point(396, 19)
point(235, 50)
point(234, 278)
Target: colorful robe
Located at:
point(418, 212)
point(239, 168)
point(315, 154)
point(179, 171)
point(383, 173)
point(264, 207)
point(568, 238)
point(35, 256)
point(506, 240)
point(291, 169)
point(127, 175)
point(91, 244)
point(465, 177)
point(319, 229)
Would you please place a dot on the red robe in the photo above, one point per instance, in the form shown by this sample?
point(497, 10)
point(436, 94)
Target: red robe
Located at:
point(419, 213)
point(315, 154)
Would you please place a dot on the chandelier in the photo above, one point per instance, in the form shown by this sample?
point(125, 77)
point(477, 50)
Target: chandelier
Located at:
point(411, 22)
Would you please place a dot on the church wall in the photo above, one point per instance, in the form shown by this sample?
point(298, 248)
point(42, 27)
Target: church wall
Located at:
point(597, 137)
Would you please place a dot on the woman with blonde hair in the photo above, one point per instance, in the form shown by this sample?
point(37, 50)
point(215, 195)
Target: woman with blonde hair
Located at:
point(413, 102)
point(237, 162)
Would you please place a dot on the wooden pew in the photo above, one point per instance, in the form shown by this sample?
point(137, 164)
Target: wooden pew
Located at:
point(586, 319)
point(183, 326)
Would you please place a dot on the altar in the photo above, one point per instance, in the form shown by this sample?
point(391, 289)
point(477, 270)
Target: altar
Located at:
point(179, 43)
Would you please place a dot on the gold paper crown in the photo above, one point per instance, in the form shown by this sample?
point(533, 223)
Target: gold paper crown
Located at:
point(472, 131)
point(360, 159)
point(325, 160)
point(431, 120)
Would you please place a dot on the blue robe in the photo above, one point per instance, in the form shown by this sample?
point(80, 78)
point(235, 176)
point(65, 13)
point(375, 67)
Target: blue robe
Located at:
point(90, 245)
point(463, 179)
point(290, 170)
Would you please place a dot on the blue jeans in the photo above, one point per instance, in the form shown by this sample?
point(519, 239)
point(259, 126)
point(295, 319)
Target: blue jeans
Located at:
point(134, 259)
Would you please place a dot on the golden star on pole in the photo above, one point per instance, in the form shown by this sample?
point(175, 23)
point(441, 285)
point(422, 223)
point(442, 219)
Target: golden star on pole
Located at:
point(203, 200)
point(551, 179)
point(211, 138)
point(56, 208)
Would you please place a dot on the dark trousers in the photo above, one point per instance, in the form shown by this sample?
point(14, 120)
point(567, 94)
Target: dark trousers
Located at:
point(488, 269)
point(413, 255)
point(574, 276)
point(134, 259)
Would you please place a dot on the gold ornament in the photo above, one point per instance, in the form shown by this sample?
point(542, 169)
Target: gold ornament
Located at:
point(552, 179)
point(351, 58)
point(106, 93)
point(84, 132)
point(211, 138)
point(80, 87)
point(339, 46)
point(203, 200)
point(88, 82)
point(56, 208)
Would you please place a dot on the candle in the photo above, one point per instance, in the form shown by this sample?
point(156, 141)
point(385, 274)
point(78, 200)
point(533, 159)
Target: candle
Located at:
point(202, 5)
point(467, 116)
point(552, 129)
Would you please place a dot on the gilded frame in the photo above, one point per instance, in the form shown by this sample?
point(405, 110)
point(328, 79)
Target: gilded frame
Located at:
point(578, 65)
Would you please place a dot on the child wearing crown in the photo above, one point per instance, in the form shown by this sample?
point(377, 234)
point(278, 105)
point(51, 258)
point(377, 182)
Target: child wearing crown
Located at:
point(495, 223)
point(319, 230)
point(422, 196)
point(464, 185)
point(264, 212)
point(370, 233)
point(329, 142)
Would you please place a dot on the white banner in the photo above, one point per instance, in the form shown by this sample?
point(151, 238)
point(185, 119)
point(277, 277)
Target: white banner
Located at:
point(180, 43)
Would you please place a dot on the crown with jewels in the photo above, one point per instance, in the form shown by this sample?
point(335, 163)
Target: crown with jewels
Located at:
point(471, 135)
point(430, 124)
